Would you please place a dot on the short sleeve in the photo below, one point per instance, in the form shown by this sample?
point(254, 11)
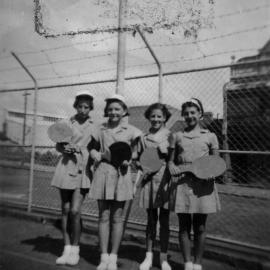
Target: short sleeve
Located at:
point(213, 141)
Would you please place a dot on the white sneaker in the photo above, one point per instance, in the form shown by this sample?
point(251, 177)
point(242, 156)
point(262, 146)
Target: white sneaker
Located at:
point(104, 260)
point(188, 266)
point(165, 266)
point(65, 255)
point(163, 257)
point(74, 256)
point(112, 265)
point(197, 266)
point(148, 261)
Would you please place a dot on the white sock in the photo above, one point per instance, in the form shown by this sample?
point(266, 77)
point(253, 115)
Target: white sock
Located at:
point(197, 266)
point(188, 266)
point(147, 263)
point(104, 260)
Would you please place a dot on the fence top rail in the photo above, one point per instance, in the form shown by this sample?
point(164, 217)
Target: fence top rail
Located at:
point(239, 64)
point(251, 152)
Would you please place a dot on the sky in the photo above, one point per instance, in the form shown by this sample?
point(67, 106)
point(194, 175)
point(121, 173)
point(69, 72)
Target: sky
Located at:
point(239, 28)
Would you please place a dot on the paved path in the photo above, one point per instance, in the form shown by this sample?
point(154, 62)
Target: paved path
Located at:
point(26, 244)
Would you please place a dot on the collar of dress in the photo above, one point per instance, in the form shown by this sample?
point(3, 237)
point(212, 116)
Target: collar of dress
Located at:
point(122, 126)
point(196, 133)
point(158, 137)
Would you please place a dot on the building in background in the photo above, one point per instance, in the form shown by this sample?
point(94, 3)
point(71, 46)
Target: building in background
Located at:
point(17, 127)
point(247, 99)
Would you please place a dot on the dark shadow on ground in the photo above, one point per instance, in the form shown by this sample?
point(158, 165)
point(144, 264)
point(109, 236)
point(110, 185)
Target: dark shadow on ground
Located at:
point(137, 253)
point(47, 244)
point(89, 249)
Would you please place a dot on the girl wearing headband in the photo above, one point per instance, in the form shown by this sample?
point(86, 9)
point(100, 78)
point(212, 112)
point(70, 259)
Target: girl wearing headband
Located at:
point(154, 187)
point(71, 177)
point(110, 188)
point(192, 199)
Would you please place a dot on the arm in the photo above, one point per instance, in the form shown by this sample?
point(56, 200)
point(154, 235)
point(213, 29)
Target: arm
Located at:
point(66, 148)
point(213, 145)
point(94, 146)
point(171, 154)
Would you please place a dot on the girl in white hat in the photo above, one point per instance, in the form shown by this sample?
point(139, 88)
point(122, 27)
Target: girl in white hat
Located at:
point(110, 188)
point(71, 177)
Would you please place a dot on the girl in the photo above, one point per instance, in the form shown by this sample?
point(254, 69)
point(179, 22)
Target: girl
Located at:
point(110, 188)
point(71, 177)
point(155, 186)
point(194, 198)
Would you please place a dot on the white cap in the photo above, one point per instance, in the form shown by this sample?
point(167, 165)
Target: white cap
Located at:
point(84, 93)
point(117, 97)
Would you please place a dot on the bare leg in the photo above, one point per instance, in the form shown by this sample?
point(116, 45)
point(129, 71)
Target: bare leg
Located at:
point(184, 235)
point(104, 225)
point(66, 197)
point(77, 200)
point(117, 224)
point(199, 225)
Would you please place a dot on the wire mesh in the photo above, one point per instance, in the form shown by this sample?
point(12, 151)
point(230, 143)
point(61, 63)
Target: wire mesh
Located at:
point(236, 100)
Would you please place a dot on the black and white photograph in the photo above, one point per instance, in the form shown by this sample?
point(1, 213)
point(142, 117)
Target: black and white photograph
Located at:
point(135, 134)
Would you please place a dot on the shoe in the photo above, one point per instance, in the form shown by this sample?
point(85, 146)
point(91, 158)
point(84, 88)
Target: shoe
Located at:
point(112, 265)
point(104, 260)
point(197, 266)
point(165, 266)
point(63, 259)
point(188, 266)
point(74, 256)
point(163, 257)
point(148, 261)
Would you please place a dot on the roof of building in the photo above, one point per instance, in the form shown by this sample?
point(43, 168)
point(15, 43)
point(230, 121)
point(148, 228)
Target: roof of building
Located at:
point(262, 52)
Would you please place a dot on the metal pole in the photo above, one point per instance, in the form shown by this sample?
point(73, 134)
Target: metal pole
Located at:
point(31, 177)
point(160, 71)
point(121, 51)
point(227, 174)
point(24, 118)
point(24, 126)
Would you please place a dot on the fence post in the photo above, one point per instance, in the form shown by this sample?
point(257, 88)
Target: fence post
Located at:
point(31, 177)
point(227, 175)
point(160, 71)
point(121, 49)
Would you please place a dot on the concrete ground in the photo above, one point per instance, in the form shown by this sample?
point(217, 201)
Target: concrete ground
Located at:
point(35, 244)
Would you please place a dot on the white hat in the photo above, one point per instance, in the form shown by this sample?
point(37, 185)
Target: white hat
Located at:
point(117, 97)
point(84, 93)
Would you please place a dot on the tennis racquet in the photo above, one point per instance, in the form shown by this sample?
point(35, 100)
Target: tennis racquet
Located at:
point(118, 153)
point(205, 167)
point(60, 132)
point(150, 160)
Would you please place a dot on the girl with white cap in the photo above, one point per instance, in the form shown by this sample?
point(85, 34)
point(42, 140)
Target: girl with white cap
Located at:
point(193, 198)
point(71, 177)
point(109, 187)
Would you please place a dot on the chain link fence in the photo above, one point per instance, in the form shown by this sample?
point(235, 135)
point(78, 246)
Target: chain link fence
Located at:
point(236, 100)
